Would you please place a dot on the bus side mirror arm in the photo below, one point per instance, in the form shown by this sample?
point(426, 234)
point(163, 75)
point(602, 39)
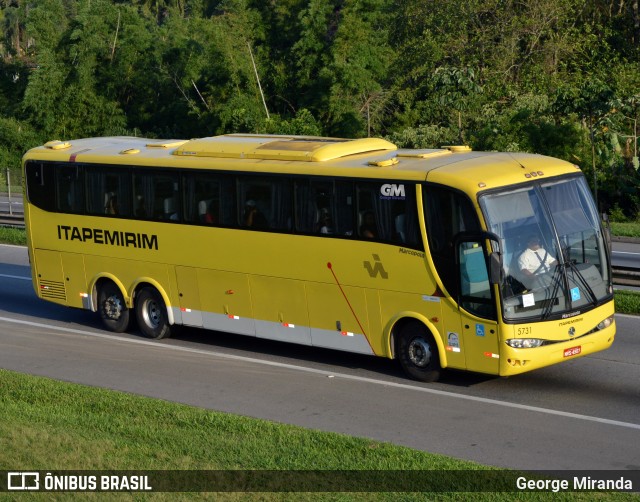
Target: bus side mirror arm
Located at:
point(496, 272)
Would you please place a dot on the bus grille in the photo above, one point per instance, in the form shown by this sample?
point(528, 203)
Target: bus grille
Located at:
point(52, 289)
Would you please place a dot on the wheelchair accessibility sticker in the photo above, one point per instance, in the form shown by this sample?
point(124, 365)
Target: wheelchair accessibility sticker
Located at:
point(575, 294)
point(479, 329)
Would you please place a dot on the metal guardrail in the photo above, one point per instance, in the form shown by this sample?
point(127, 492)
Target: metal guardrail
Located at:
point(626, 277)
point(11, 220)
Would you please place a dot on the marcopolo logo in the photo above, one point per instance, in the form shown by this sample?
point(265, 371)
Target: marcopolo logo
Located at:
point(392, 191)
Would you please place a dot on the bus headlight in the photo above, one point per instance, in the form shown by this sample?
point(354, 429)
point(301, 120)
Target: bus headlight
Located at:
point(524, 343)
point(605, 324)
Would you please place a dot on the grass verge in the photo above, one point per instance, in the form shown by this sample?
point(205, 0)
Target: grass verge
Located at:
point(50, 425)
point(16, 236)
point(627, 302)
point(629, 229)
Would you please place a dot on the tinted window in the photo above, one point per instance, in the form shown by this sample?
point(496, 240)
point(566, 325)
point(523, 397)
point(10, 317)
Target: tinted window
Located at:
point(156, 195)
point(387, 212)
point(40, 182)
point(70, 188)
point(265, 203)
point(324, 207)
point(210, 199)
point(447, 213)
point(108, 191)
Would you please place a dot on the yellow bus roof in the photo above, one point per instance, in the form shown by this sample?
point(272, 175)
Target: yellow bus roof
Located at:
point(456, 166)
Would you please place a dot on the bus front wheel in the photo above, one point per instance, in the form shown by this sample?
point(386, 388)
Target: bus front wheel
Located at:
point(151, 313)
point(113, 309)
point(417, 353)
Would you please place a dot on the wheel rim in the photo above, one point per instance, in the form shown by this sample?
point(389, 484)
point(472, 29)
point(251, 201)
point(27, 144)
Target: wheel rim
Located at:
point(420, 352)
point(152, 314)
point(113, 307)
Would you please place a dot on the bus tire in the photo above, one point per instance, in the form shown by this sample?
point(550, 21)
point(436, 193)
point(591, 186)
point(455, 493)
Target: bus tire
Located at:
point(112, 307)
point(151, 313)
point(417, 353)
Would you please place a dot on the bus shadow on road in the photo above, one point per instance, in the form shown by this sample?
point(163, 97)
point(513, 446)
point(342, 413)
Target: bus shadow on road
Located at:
point(359, 365)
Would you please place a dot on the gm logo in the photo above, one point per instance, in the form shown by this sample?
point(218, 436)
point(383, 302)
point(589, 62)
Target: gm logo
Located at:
point(23, 481)
point(391, 190)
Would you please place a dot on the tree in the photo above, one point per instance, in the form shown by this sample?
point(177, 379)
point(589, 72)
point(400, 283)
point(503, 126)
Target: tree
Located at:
point(63, 97)
point(358, 71)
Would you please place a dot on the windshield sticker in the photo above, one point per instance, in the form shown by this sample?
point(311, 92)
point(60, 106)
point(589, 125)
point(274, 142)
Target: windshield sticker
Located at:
point(575, 294)
point(528, 300)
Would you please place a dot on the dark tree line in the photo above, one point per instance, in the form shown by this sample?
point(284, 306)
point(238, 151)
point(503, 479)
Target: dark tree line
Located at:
point(557, 77)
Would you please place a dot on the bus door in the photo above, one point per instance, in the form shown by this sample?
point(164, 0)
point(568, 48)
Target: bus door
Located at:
point(476, 303)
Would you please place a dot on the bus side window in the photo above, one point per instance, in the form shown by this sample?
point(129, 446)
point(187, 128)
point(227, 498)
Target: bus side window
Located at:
point(387, 212)
point(157, 195)
point(70, 189)
point(315, 201)
point(209, 199)
point(108, 191)
point(40, 179)
point(265, 203)
point(447, 213)
point(345, 224)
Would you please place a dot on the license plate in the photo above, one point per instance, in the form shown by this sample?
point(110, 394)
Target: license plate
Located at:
point(573, 351)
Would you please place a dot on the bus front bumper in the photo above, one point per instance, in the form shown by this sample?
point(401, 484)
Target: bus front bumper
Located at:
point(516, 361)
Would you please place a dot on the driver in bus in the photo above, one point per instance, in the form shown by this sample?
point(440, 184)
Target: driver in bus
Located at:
point(535, 260)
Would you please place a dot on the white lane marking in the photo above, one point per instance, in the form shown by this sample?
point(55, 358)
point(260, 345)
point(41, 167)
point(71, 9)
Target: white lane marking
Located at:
point(21, 277)
point(332, 374)
point(625, 252)
point(13, 246)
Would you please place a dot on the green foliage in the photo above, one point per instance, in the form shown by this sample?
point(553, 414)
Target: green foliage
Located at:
point(15, 138)
point(616, 215)
point(556, 77)
point(424, 136)
point(303, 124)
point(627, 302)
point(15, 236)
point(626, 228)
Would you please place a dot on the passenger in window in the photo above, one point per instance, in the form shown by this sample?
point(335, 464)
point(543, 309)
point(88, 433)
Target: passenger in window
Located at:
point(141, 210)
point(253, 217)
point(211, 216)
point(326, 225)
point(368, 228)
point(112, 205)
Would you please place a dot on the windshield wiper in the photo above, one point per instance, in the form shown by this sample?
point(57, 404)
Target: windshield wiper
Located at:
point(556, 285)
point(583, 281)
point(576, 276)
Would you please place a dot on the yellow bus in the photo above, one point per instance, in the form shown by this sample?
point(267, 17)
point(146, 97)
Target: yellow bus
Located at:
point(424, 256)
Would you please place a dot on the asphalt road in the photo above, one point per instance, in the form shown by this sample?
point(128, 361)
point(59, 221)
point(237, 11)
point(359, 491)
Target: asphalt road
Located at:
point(583, 414)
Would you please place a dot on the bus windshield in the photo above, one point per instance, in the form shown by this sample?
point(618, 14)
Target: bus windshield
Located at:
point(554, 252)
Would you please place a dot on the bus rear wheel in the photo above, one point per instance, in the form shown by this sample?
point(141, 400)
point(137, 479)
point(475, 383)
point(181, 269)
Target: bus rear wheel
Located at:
point(151, 313)
point(112, 307)
point(417, 353)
